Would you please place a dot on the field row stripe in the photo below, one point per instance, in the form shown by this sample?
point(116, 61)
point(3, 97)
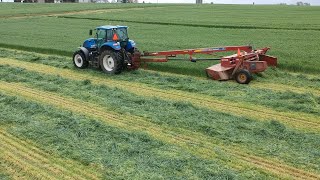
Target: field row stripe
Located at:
point(15, 172)
point(69, 166)
point(189, 25)
point(285, 88)
point(43, 160)
point(184, 138)
point(25, 166)
point(40, 161)
point(36, 165)
point(303, 121)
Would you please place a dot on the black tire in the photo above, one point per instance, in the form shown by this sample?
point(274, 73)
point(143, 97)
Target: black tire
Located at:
point(111, 62)
point(79, 60)
point(243, 76)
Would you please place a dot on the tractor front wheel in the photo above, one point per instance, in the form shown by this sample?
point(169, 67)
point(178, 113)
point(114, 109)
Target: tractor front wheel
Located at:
point(243, 76)
point(79, 60)
point(111, 62)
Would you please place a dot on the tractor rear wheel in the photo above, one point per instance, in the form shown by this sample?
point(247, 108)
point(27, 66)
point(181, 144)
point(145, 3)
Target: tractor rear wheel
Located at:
point(243, 76)
point(111, 62)
point(79, 60)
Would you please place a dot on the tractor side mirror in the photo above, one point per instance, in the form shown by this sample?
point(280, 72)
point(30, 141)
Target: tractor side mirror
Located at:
point(90, 32)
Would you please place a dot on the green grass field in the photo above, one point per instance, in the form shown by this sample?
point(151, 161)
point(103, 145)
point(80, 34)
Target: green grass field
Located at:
point(223, 16)
point(59, 122)
point(294, 43)
point(18, 10)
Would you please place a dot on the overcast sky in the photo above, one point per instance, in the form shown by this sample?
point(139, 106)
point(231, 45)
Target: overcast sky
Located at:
point(312, 2)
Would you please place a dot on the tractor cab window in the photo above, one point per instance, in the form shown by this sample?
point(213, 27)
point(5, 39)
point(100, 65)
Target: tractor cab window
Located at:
point(101, 37)
point(109, 35)
point(101, 34)
point(122, 33)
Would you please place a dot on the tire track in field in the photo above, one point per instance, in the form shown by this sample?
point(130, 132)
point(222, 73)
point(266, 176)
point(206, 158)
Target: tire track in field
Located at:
point(302, 121)
point(196, 143)
point(23, 158)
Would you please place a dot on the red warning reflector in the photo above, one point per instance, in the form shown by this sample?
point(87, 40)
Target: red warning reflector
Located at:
point(115, 37)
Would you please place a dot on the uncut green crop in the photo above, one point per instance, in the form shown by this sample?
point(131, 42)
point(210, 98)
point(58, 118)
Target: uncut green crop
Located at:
point(224, 16)
point(18, 9)
point(272, 139)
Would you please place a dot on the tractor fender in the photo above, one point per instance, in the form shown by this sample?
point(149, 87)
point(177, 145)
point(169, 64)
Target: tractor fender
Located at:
point(85, 52)
point(114, 45)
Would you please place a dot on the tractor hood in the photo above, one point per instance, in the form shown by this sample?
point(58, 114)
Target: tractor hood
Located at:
point(90, 43)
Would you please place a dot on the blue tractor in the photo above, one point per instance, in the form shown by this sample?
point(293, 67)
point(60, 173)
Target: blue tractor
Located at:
point(110, 49)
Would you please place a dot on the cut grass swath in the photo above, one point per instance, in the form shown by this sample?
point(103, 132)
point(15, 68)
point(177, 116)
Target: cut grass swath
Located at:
point(288, 80)
point(257, 84)
point(301, 121)
point(15, 173)
point(285, 88)
point(270, 138)
point(274, 80)
point(127, 155)
point(282, 80)
point(180, 137)
point(23, 158)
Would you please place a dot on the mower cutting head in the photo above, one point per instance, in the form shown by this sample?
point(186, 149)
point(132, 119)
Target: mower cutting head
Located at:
point(240, 66)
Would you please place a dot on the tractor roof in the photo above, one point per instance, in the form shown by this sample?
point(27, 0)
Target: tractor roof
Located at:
point(106, 27)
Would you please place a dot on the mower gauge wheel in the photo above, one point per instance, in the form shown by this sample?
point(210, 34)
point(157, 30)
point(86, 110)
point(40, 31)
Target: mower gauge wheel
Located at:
point(243, 76)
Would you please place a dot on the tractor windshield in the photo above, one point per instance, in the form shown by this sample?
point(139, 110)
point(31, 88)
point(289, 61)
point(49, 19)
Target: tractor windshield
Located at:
point(122, 33)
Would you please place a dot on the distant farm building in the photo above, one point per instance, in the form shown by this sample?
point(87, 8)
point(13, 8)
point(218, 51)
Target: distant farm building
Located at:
point(198, 1)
